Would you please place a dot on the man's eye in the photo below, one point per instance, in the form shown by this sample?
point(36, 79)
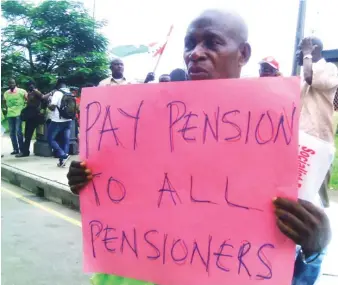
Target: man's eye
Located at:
point(189, 44)
point(212, 43)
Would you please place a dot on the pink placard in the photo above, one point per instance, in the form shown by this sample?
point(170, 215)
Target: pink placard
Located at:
point(184, 177)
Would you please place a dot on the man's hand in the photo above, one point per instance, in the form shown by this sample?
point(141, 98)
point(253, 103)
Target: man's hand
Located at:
point(78, 176)
point(304, 223)
point(307, 46)
point(150, 77)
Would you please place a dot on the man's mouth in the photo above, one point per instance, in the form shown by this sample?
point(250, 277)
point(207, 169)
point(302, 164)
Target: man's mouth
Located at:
point(197, 72)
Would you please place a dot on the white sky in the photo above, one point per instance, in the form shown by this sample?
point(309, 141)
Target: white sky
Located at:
point(272, 25)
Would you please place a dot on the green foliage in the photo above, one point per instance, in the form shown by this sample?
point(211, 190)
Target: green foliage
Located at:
point(334, 173)
point(54, 38)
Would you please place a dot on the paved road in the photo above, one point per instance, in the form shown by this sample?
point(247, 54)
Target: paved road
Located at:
point(41, 242)
point(39, 246)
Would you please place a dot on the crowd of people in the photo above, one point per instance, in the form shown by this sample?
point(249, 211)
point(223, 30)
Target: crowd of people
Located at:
point(57, 108)
point(216, 47)
point(35, 108)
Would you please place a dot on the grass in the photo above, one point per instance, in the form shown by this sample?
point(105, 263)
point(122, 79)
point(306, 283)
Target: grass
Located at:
point(334, 173)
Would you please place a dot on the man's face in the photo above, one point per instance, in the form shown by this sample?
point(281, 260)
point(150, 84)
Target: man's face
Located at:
point(164, 78)
point(11, 84)
point(117, 67)
point(31, 87)
point(266, 70)
point(210, 53)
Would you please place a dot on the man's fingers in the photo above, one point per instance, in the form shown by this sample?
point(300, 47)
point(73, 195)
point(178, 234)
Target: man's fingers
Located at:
point(288, 205)
point(78, 164)
point(317, 212)
point(295, 208)
point(294, 223)
point(309, 206)
point(78, 180)
point(77, 188)
point(78, 172)
point(288, 231)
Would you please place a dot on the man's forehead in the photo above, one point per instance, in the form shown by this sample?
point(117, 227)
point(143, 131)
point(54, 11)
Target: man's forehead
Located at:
point(222, 23)
point(116, 61)
point(205, 32)
point(209, 23)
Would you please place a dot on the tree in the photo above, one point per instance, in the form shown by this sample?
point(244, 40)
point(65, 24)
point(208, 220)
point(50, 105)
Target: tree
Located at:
point(54, 38)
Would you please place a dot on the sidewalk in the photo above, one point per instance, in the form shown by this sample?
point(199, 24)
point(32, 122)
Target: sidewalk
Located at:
point(41, 176)
point(36, 174)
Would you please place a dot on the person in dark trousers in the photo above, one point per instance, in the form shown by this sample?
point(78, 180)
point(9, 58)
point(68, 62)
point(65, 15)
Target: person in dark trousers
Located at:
point(32, 115)
point(178, 74)
point(59, 124)
point(13, 103)
point(216, 47)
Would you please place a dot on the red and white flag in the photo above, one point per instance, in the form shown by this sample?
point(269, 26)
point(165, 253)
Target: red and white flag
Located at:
point(157, 48)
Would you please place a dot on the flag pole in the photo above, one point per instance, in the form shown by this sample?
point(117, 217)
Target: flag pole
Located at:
point(299, 33)
point(157, 63)
point(163, 48)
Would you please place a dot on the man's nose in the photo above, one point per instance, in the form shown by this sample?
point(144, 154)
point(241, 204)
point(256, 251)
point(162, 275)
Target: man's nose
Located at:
point(198, 53)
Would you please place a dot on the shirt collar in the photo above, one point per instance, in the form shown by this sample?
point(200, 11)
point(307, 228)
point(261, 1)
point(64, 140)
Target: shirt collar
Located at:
point(117, 80)
point(14, 91)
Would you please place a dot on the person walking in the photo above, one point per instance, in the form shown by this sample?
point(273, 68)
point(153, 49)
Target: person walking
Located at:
point(63, 107)
point(14, 102)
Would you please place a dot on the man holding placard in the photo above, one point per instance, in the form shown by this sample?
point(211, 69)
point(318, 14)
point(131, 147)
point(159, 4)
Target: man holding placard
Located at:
point(216, 48)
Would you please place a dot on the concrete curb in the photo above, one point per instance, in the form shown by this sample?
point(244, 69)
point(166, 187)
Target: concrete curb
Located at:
point(58, 192)
point(40, 186)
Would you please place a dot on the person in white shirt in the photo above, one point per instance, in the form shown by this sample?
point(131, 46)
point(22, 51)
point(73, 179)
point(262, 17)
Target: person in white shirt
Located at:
point(59, 124)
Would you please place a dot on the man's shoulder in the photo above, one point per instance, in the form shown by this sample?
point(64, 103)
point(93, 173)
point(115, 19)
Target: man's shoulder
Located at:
point(22, 91)
point(61, 92)
point(105, 81)
point(57, 93)
point(332, 67)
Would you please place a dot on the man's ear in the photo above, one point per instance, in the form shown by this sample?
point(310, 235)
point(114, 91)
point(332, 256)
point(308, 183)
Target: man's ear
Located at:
point(245, 53)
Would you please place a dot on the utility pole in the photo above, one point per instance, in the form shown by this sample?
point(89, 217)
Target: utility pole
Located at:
point(94, 6)
point(299, 33)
